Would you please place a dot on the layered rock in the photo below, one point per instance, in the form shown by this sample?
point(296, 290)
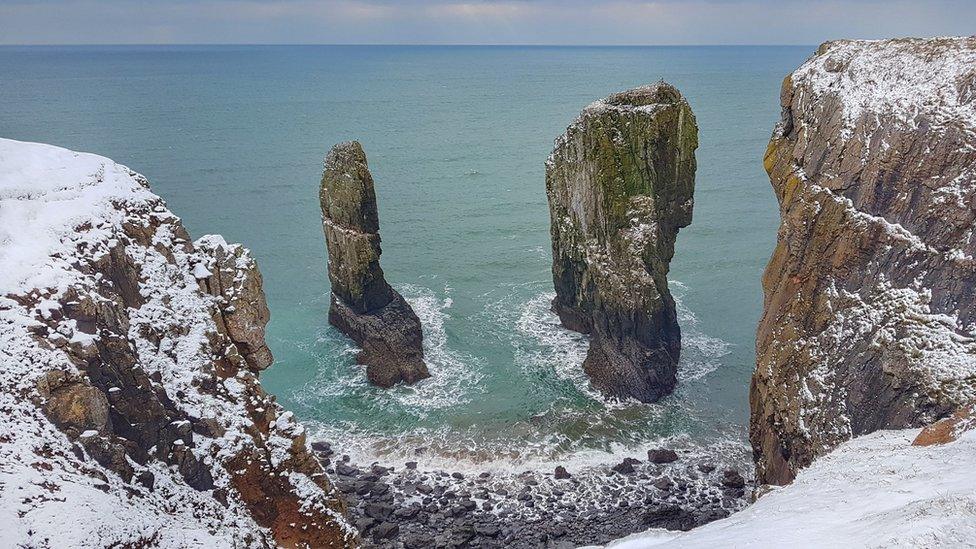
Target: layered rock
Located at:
point(869, 321)
point(620, 184)
point(364, 306)
point(129, 360)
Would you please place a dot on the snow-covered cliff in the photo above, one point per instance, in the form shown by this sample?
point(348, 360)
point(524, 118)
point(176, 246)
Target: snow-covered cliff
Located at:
point(129, 360)
point(869, 320)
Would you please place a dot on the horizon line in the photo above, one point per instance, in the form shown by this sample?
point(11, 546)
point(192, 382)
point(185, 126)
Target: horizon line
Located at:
point(383, 44)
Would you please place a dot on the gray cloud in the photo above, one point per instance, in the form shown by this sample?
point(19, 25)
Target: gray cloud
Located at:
point(476, 21)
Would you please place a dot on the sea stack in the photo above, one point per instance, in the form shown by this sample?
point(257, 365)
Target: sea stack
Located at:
point(364, 306)
point(869, 311)
point(620, 184)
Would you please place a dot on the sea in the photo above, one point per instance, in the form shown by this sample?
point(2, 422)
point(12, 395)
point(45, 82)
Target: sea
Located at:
point(233, 138)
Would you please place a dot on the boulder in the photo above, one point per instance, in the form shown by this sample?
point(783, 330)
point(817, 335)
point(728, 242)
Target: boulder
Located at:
point(662, 456)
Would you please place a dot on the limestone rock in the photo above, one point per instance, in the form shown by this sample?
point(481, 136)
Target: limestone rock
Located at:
point(232, 275)
point(620, 184)
point(869, 311)
point(131, 358)
point(364, 306)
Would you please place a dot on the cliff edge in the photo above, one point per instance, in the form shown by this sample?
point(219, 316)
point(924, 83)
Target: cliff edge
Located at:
point(129, 361)
point(869, 320)
point(620, 184)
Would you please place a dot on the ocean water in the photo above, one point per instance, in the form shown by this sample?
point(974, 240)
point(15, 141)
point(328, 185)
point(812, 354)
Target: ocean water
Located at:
point(233, 138)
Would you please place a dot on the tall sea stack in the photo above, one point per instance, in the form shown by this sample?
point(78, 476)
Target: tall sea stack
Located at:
point(869, 314)
point(620, 184)
point(364, 306)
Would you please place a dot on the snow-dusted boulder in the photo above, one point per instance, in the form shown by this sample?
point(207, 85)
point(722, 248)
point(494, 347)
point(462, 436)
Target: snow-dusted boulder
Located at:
point(133, 415)
point(870, 320)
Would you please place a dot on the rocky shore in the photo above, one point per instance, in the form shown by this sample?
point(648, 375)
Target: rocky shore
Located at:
point(408, 507)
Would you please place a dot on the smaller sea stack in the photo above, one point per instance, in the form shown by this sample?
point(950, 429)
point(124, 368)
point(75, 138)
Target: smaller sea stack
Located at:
point(620, 184)
point(364, 306)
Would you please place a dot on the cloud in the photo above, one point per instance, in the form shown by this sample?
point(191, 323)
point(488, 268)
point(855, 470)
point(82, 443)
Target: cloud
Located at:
point(474, 21)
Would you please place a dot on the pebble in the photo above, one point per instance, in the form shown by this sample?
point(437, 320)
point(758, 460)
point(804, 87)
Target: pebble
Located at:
point(436, 509)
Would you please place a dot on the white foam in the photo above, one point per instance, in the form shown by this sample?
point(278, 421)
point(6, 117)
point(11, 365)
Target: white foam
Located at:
point(600, 430)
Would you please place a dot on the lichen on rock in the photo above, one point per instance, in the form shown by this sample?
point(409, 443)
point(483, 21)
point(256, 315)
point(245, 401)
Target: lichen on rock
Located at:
point(363, 305)
point(869, 319)
point(620, 184)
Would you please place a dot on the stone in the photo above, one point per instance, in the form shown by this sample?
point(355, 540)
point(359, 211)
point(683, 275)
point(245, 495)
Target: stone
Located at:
point(71, 402)
point(146, 479)
point(236, 279)
point(363, 305)
point(364, 524)
point(733, 479)
point(620, 184)
point(561, 473)
point(346, 470)
point(947, 430)
point(386, 530)
point(663, 483)
point(871, 163)
point(662, 456)
point(379, 511)
point(625, 467)
point(671, 517)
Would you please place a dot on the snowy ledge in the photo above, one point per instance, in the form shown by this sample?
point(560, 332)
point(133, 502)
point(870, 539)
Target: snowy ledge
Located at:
point(873, 491)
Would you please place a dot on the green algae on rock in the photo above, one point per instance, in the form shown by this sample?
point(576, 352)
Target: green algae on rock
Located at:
point(364, 306)
point(620, 184)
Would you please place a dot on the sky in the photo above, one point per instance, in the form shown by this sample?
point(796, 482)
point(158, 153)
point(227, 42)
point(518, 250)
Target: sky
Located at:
point(567, 22)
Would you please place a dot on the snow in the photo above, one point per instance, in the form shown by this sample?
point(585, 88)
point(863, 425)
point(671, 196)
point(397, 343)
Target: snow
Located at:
point(874, 491)
point(59, 211)
point(51, 191)
point(907, 80)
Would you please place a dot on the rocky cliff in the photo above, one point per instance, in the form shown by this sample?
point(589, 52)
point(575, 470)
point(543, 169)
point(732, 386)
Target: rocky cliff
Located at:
point(869, 321)
point(364, 306)
point(620, 184)
point(129, 361)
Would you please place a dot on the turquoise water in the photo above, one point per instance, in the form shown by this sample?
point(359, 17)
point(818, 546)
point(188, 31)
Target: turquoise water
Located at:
point(233, 138)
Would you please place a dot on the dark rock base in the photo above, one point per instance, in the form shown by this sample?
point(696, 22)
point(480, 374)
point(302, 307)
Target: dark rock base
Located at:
point(390, 337)
point(412, 508)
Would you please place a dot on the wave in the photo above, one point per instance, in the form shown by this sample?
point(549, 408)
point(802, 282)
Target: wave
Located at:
point(562, 419)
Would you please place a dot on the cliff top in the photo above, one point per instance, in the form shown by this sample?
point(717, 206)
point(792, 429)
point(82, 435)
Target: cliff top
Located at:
point(917, 82)
point(45, 193)
point(648, 97)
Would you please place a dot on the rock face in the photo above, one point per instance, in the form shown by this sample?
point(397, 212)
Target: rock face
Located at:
point(620, 184)
point(364, 306)
point(129, 360)
point(869, 311)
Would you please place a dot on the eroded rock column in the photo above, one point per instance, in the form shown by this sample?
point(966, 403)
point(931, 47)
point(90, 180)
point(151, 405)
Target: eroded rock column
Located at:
point(620, 184)
point(364, 306)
